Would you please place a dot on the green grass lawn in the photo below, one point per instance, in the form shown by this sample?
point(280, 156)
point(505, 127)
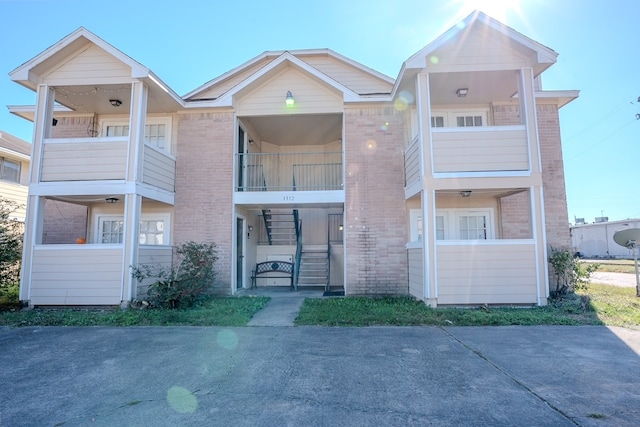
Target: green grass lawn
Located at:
point(599, 305)
point(218, 311)
point(613, 265)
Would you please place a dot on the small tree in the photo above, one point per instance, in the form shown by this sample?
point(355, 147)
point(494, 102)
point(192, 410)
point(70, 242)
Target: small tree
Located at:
point(570, 274)
point(11, 232)
point(182, 284)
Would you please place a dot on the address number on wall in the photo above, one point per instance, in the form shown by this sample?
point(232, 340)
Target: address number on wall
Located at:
point(288, 198)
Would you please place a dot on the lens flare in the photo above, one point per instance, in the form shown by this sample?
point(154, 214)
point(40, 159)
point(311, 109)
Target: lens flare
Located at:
point(182, 400)
point(227, 339)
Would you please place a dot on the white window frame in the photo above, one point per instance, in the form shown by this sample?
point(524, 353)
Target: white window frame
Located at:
point(450, 116)
point(166, 121)
point(3, 162)
point(165, 217)
point(452, 221)
point(416, 225)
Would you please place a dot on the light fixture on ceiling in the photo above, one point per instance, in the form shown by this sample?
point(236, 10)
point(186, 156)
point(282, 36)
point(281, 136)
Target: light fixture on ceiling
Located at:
point(289, 101)
point(462, 92)
point(115, 102)
point(465, 193)
point(111, 199)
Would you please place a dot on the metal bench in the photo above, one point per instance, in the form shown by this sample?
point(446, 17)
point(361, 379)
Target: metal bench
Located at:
point(272, 270)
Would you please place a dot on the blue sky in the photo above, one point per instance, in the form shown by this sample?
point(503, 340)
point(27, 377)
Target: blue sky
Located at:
point(191, 42)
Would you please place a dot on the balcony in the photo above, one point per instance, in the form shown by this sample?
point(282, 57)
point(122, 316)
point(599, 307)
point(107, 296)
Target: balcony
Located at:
point(312, 171)
point(480, 149)
point(106, 158)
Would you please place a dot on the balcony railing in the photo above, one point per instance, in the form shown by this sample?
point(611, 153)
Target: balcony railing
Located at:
point(290, 171)
point(412, 170)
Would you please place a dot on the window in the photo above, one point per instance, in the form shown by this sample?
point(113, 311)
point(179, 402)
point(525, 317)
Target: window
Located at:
point(473, 227)
point(437, 121)
point(156, 131)
point(153, 230)
point(464, 224)
point(467, 121)
point(9, 170)
point(466, 118)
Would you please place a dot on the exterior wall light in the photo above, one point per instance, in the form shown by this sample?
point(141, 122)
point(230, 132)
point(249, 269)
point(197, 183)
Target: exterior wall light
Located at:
point(462, 92)
point(465, 193)
point(111, 199)
point(115, 102)
point(289, 101)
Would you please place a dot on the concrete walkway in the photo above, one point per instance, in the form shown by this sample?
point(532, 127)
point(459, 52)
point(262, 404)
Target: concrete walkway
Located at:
point(283, 308)
point(316, 376)
point(616, 279)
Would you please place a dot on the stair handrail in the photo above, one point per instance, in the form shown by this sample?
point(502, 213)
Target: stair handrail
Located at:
point(296, 266)
point(266, 226)
point(328, 288)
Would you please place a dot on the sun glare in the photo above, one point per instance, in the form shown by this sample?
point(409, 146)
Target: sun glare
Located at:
point(498, 9)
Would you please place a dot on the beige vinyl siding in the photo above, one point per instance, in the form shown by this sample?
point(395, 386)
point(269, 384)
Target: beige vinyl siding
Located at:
point(311, 97)
point(222, 87)
point(487, 273)
point(90, 66)
point(357, 80)
point(17, 193)
point(416, 272)
point(412, 163)
point(481, 51)
point(76, 275)
point(156, 257)
point(84, 161)
point(480, 150)
point(159, 169)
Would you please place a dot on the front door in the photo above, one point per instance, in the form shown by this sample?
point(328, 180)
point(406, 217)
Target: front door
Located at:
point(239, 253)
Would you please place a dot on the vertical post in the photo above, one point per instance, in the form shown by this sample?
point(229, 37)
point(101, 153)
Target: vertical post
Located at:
point(635, 263)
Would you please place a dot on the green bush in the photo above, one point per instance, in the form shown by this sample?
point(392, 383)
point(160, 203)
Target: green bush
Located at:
point(10, 294)
point(570, 274)
point(11, 232)
point(187, 281)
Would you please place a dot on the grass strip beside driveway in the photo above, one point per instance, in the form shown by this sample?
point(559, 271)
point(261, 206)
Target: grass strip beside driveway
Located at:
point(215, 312)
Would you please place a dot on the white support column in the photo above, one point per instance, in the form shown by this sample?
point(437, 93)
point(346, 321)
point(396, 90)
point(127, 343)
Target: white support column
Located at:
point(133, 201)
point(35, 205)
point(539, 235)
point(429, 246)
point(131, 240)
point(528, 116)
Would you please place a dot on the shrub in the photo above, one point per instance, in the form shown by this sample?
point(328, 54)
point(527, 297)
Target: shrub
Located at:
point(570, 274)
point(11, 232)
point(187, 280)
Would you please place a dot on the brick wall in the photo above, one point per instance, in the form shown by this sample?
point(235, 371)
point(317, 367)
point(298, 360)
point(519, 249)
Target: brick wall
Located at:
point(555, 196)
point(63, 222)
point(376, 232)
point(73, 127)
point(204, 173)
point(515, 216)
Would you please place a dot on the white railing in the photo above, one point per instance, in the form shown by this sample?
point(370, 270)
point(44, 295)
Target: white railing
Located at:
point(289, 171)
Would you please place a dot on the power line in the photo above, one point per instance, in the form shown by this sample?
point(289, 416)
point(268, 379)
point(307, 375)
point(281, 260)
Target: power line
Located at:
point(601, 141)
point(600, 120)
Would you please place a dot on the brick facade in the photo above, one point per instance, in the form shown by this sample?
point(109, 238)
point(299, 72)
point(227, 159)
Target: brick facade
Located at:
point(74, 127)
point(204, 186)
point(63, 222)
point(376, 233)
point(555, 196)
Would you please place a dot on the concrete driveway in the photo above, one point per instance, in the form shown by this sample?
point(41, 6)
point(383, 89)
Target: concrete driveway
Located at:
point(279, 376)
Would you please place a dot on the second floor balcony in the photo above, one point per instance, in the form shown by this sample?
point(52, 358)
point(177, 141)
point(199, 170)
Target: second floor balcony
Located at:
point(290, 171)
point(103, 158)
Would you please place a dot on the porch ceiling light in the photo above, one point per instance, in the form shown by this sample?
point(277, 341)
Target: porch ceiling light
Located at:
point(465, 193)
point(289, 101)
point(115, 102)
point(111, 199)
point(462, 92)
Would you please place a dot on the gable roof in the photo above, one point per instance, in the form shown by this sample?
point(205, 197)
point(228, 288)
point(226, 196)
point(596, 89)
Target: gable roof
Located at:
point(31, 73)
point(15, 146)
point(544, 55)
point(219, 92)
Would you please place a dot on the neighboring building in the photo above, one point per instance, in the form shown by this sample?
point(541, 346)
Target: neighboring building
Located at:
point(14, 171)
point(446, 183)
point(596, 240)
